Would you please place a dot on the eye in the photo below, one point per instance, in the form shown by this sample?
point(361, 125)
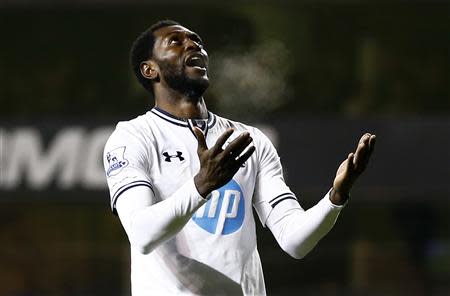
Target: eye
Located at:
point(174, 40)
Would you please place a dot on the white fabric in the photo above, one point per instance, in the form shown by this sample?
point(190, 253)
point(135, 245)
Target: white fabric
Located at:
point(298, 231)
point(148, 226)
point(180, 244)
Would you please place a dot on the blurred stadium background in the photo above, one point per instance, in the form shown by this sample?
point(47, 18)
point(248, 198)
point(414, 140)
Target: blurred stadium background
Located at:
point(314, 74)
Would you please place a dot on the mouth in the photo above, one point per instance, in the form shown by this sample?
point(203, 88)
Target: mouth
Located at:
point(196, 60)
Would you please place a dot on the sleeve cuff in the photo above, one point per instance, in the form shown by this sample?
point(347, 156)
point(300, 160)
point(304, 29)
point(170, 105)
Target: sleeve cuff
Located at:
point(330, 204)
point(193, 189)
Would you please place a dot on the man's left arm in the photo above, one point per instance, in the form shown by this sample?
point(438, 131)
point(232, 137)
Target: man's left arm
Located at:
point(298, 231)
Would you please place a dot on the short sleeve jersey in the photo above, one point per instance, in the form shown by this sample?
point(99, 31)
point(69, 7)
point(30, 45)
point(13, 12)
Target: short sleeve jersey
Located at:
point(215, 253)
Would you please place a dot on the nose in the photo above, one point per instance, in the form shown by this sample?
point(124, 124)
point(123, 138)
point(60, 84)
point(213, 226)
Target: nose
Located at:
point(192, 45)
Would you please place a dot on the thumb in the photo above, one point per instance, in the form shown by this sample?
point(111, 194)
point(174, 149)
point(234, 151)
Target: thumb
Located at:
point(200, 139)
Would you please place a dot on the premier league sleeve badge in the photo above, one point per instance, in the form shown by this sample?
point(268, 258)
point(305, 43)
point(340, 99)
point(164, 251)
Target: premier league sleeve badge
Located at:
point(116, 161)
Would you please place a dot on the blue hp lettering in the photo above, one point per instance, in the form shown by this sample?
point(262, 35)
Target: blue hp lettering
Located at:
point(224, 212)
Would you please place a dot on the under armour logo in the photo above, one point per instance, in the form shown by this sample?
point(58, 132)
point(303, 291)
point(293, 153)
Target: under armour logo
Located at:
point(169, 157)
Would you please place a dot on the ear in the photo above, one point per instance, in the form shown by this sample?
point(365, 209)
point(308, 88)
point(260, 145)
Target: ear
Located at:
point(150, 70)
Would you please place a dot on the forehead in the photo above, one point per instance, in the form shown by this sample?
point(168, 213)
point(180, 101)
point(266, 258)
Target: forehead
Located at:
point(163, 32)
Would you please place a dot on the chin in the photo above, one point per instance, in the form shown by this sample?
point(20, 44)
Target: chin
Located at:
point(197, 87)
point(197, 82)
point(191, 82)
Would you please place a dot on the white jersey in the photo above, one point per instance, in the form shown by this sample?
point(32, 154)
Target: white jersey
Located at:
point(215, 253)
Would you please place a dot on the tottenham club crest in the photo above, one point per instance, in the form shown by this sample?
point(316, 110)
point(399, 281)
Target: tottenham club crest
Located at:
point(116, 160)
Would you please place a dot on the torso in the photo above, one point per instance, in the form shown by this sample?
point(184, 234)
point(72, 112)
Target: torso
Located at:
point(215, 253)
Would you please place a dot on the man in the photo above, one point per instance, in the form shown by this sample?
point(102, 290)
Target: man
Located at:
point(183, 181)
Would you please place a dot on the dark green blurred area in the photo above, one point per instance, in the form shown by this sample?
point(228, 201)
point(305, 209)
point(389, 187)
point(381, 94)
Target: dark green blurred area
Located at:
point(68, 63)
point(346, 59)
point(77, 249)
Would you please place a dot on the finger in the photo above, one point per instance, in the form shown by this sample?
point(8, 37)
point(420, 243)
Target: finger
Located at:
point(200, 140)
point(360, 148)
point(370, 147)
point(350, 164)
point(217, 148)
point(372, 141)
point(360, 156)
point(241, 148)
point(238, 145)
point(235, 148)
point(362, 153)
point(243, 158)
point(349, 173)
point(365, 138)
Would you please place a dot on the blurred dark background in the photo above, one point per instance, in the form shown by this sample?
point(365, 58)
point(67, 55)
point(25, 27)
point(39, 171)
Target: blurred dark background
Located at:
point(314, 75)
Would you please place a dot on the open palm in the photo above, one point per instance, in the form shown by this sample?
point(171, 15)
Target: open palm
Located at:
point(352, 167)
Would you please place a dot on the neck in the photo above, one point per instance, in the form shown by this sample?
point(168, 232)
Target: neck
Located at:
point(180, 105)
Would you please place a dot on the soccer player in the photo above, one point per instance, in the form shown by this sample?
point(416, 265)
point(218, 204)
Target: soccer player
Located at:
point(183, 181)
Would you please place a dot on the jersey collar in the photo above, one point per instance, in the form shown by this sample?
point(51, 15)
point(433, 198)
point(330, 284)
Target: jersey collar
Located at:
point(203, 124)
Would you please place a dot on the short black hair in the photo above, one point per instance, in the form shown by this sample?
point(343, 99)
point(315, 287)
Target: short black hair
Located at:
point(142, 49)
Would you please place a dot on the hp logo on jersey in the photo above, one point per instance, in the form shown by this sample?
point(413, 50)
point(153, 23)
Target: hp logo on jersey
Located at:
point(224, 212)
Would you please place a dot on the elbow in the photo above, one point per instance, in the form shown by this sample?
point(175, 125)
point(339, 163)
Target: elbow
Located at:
point(142, 242)
point(296, 251)
point(296, 254)
point(145, 243)
point(143, 247)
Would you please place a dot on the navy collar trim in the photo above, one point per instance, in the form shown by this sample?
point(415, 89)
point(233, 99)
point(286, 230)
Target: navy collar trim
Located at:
point(180, 121)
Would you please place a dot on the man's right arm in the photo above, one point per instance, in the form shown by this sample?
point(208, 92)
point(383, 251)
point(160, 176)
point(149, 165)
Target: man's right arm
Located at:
point(147, 219)
point(149, 224)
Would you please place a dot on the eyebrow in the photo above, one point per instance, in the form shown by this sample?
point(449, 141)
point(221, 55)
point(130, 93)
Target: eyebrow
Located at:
point(189, 33)
point(196, 36)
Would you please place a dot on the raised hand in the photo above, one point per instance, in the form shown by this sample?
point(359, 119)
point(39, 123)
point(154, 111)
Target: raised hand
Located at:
point(351, 168)
point(218, 165)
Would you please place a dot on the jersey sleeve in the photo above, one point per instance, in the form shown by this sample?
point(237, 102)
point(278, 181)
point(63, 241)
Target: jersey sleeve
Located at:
point(270, 188)
point(125, 160)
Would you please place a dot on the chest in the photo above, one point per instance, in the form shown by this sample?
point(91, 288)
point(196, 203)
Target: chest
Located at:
point(174, 160)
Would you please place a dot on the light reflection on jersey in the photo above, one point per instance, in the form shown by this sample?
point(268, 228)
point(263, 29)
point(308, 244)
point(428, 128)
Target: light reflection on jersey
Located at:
point(224, 212)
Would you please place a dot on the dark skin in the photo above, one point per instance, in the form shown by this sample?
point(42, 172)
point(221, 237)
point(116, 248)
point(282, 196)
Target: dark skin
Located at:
point(183, 50)
point(173, 44)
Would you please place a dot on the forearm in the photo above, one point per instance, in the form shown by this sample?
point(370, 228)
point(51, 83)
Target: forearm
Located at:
point(298, 231)
point(149, 225)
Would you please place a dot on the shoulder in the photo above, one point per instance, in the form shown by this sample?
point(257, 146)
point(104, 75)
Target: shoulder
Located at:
point(258, 131)
point(225, 123)
point(136, 126)
point(139, 126)
point(264, 136)
point(133, 132)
